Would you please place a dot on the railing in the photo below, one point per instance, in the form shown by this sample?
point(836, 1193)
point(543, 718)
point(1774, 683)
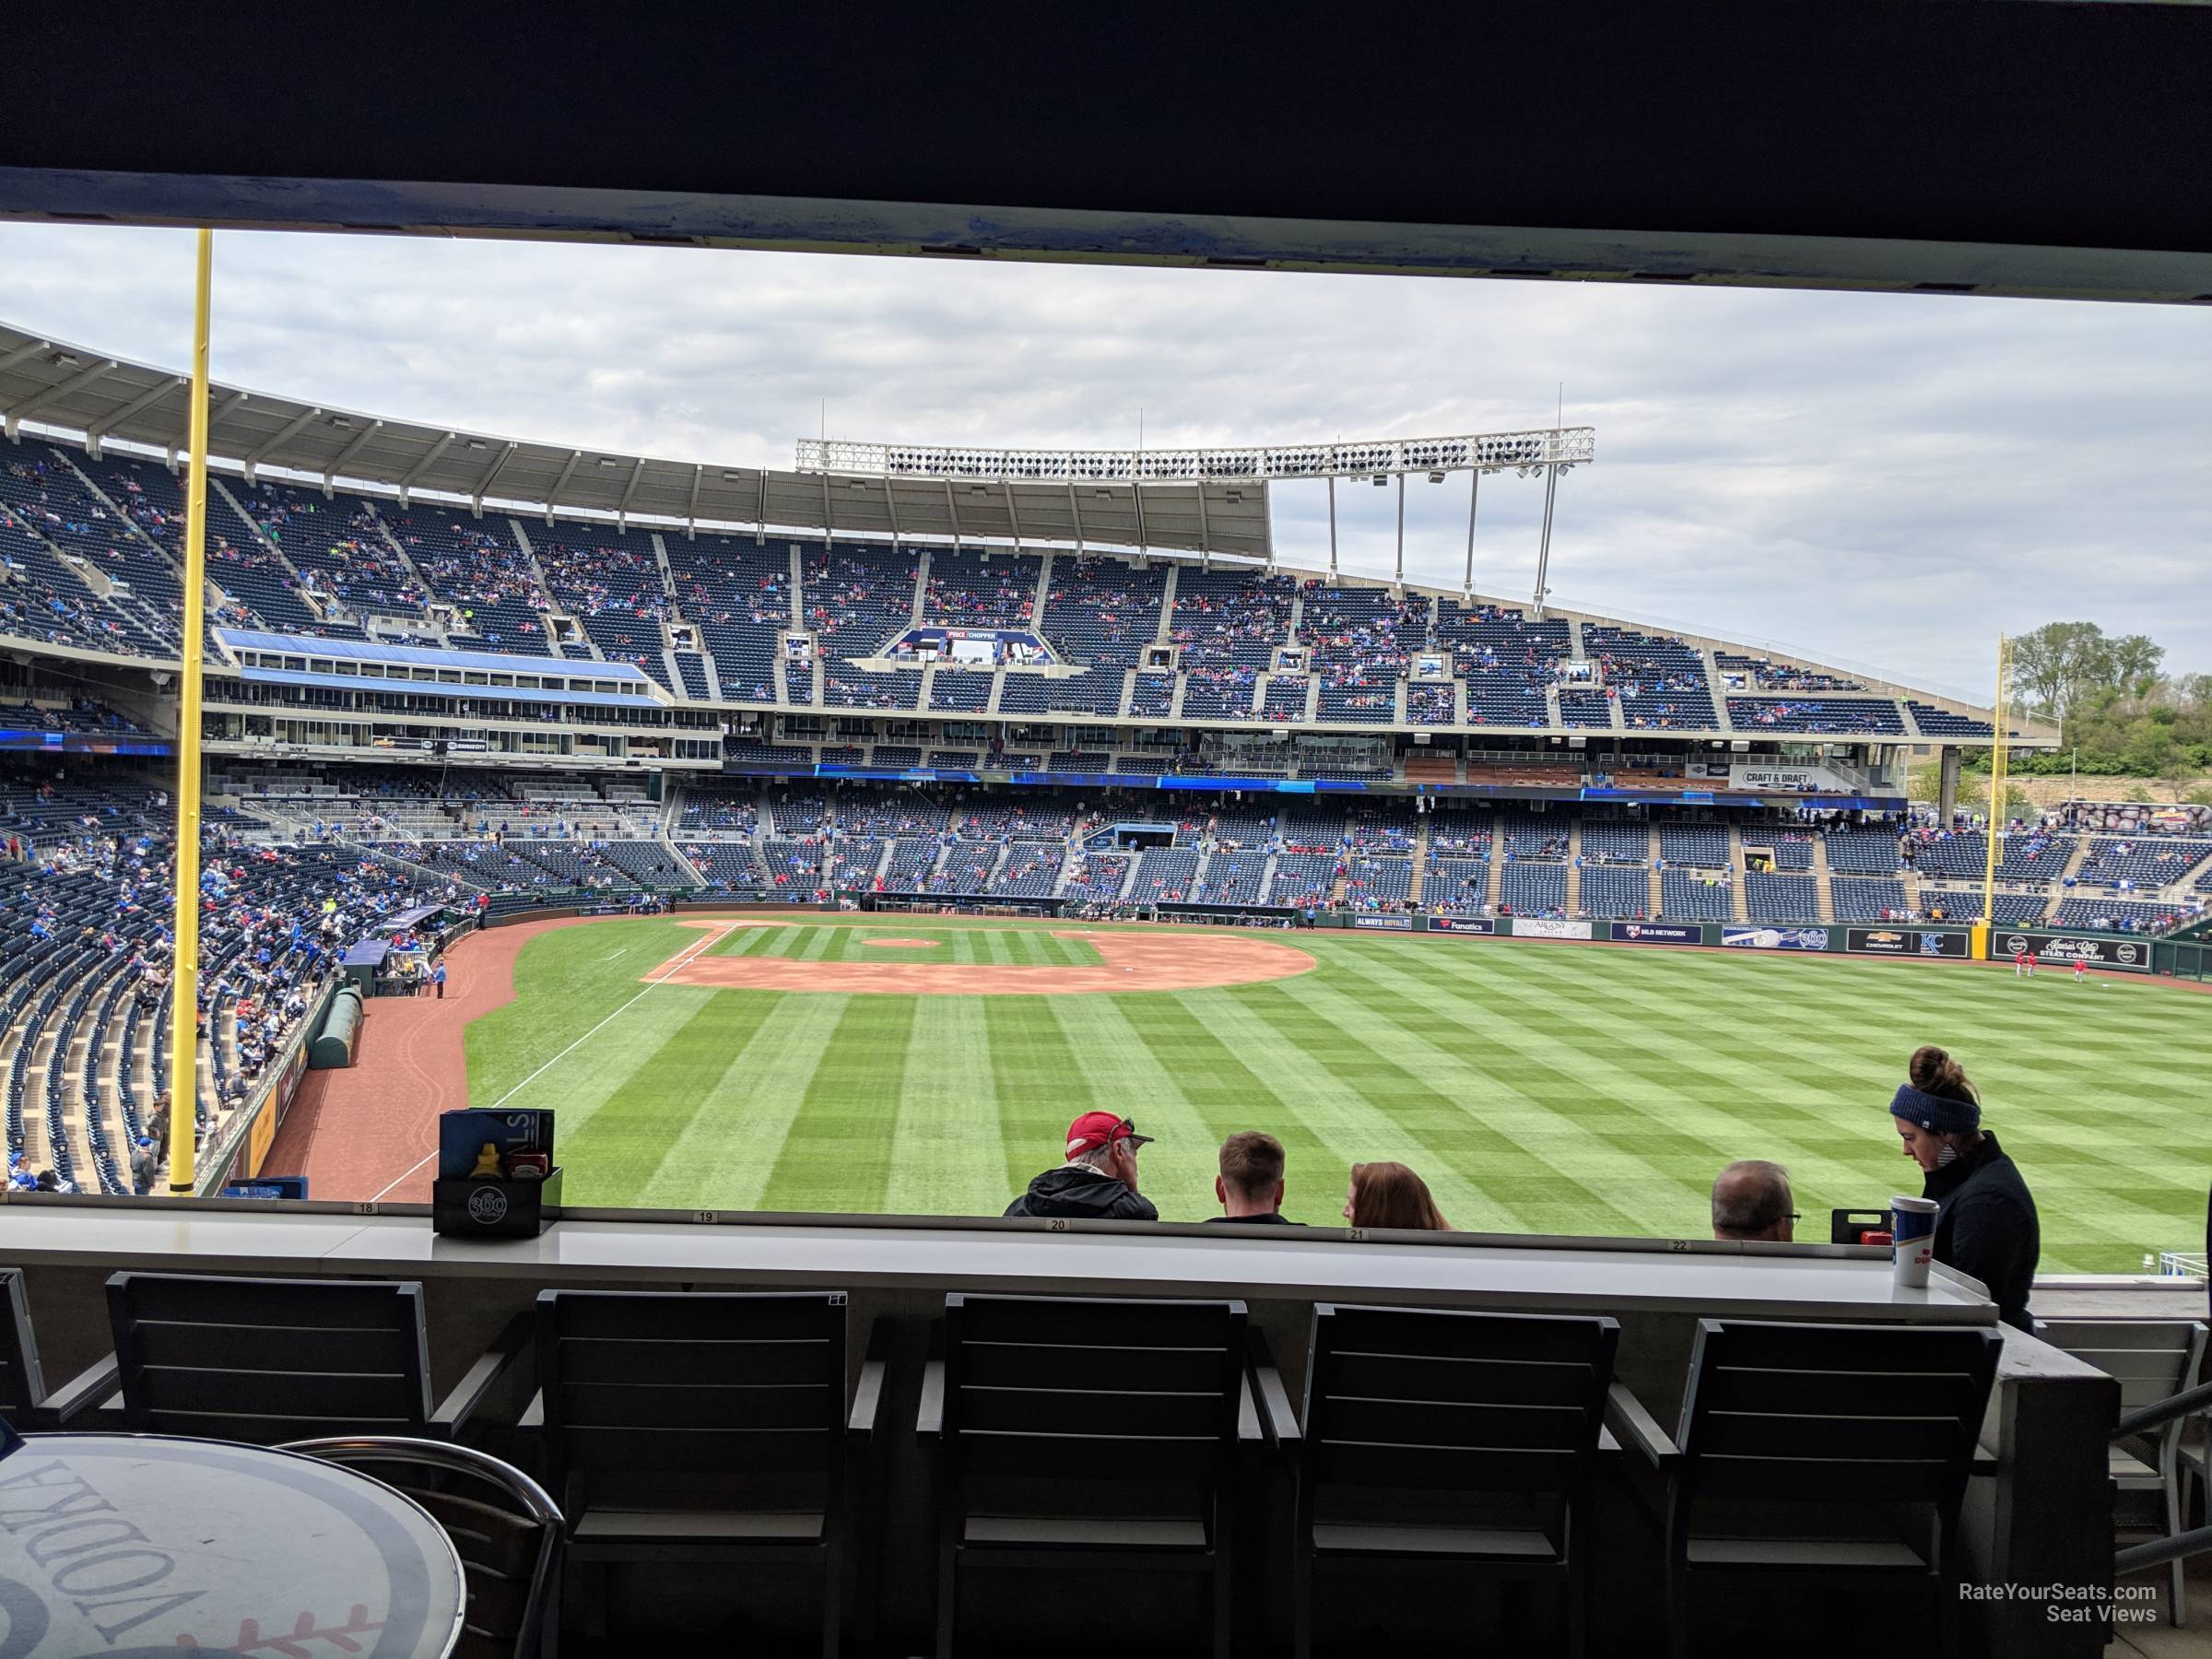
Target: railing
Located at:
point(2181, 1546)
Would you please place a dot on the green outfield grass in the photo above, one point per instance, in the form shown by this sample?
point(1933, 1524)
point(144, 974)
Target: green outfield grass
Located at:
point(1002, 946)
point(1538, 1088)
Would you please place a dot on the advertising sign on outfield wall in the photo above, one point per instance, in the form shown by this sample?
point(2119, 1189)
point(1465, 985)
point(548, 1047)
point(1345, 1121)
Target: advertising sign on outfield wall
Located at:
point(1657, 933)
point(2131, 956)
point(1462, 924)
point(1776, 939)
point(1385, 923)
point(1905, 941)
point(1540, 927)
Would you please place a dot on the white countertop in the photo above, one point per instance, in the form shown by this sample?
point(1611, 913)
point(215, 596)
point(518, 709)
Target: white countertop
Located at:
point(1630, 1277)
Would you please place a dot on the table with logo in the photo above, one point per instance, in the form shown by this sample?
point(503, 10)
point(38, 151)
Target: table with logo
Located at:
point(130, 1546)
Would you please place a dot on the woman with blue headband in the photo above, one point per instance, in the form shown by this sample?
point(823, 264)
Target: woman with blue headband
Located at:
point(1986, 1225)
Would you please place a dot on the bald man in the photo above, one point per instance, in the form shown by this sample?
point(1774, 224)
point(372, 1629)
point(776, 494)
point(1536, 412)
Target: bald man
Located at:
point(1751, 1202)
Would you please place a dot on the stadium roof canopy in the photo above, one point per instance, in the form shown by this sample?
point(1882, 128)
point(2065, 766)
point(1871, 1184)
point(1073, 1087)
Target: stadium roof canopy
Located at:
point(73, 389)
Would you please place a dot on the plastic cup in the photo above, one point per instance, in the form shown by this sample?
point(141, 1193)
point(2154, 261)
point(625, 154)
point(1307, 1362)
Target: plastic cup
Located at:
point(1914, 1247)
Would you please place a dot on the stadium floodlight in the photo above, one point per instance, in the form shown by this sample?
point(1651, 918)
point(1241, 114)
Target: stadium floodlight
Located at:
point(1486, 451)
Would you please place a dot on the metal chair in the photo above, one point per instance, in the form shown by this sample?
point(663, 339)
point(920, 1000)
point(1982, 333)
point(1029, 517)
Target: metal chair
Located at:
point(1438, 1440)
point(1080, 1431)
point(510, 1550)
point(2152, 1359)
point(24, 1401)
point(271, 1360)
point(1833, 1428)
point(703, 1426)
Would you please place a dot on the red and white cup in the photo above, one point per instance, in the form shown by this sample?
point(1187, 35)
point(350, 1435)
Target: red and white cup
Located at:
point(1914, 1246)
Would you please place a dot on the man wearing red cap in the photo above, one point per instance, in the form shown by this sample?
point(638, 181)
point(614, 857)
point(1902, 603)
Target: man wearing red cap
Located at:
point(1098, 1182)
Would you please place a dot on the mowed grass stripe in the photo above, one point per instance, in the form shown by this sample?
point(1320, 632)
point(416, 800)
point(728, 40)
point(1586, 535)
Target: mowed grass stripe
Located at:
point(529, 1062)
point(1658, 1099)
point(1664, 1055)
point(1466, 1127)
point(614, 1156)
point(1040, 1085)
point(1105, 1036)
point(722, 1157)
point(1368, 1109)
point(1183, 1033)
point(839, 1153)
point(2048, 1129)
point(947, 1163)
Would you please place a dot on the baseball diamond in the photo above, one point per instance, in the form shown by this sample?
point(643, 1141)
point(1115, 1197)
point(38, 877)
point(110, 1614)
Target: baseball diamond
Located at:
point(1541, 1088)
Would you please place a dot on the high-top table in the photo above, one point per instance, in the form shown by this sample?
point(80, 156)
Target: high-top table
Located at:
point(131, 1545)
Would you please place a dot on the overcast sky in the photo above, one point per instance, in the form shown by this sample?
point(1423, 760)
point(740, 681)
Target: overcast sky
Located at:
point(1881, 479)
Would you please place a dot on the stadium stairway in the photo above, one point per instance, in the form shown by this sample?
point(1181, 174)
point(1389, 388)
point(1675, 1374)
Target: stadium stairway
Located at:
point(1574, 853)
point(1493, 893)
point(1651, 864)
point(2074, 860)
point(253, 525)
point(1553, 718)
point(1420, 858)
point(913, 611)
point(1044, 588)
point(1738, 904)
point(1167, 608)
point(538, 570)
point(399, 551)
point(1824, 893)
point(130, 524)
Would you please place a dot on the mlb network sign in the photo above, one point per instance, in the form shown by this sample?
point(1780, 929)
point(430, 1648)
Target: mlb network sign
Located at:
point(1657, 933)
point(2130, 956)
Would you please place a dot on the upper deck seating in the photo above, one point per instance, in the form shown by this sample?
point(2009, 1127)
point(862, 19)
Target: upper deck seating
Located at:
point(1102, 610)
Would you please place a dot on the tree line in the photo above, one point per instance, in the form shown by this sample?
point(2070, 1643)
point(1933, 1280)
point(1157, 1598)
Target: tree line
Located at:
point(2118, 712)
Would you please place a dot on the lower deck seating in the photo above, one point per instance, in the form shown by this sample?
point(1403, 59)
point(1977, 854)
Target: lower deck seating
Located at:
point(1770, 898)
point(1867, 899)
point(1690, 895)
point(1532, 888)
point(1616, 890)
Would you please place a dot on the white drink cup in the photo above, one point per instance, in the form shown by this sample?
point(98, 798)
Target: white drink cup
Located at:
point(1914, 1231)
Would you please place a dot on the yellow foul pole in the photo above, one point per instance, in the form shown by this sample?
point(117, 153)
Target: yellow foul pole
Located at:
point(1999, 754)
point(184, 994)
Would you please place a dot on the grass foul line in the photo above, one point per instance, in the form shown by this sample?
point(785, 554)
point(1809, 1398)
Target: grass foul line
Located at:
point(667, 968)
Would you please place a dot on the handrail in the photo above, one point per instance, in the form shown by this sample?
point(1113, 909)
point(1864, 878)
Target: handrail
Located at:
point(2159, 1551)
point(2186, 1404)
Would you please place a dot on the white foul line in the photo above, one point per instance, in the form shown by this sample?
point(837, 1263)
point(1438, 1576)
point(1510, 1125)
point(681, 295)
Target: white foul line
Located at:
point(681, 958)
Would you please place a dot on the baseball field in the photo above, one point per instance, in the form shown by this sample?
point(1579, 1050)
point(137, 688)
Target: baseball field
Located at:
point(931, 1067)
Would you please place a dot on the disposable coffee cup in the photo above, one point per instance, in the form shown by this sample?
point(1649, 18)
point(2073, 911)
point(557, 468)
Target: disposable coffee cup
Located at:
point(1914, 1228)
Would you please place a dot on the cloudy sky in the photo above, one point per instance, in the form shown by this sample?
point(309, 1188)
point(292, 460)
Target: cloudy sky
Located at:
point(1879, 480)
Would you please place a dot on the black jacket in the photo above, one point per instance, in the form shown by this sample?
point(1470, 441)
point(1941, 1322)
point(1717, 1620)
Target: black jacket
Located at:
point(1076, 1189)
point(1272, 1218)
point(1986, 1227)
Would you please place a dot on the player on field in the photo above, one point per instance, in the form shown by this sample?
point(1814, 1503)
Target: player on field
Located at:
point(2081, 969)
point(2019, 961)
